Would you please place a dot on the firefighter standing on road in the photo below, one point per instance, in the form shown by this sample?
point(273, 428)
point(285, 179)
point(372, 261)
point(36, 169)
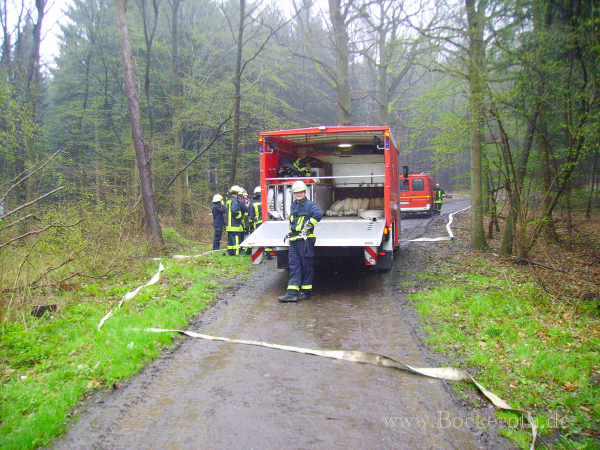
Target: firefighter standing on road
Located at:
point(218, 209)
point(303, 218)
point(439, 198)
point(234, 227)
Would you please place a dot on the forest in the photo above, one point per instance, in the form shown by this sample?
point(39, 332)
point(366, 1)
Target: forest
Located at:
point(152, 106)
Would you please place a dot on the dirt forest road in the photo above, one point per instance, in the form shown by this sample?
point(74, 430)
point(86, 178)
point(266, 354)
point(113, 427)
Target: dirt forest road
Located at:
point(217, 395)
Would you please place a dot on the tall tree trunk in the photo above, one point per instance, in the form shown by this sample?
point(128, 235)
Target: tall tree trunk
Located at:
point(149, 38)
point(477, 115)
point(26, 154)
point(177, 94)
point(384, 99)
point(141, 151)
point(569, 213)
point(342, 62)
point(593, 185)
point(508, 237)
point(237, 82)
point(541, 22)
point(546, 182)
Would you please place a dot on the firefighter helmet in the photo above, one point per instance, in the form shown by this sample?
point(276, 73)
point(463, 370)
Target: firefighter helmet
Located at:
point(243, 191)
point(235, 189)
point(298, 186)
point(257, 190)
point(217, 198)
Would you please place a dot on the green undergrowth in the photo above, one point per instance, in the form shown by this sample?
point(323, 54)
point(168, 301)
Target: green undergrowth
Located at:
point(532, 353)
point(48, 364)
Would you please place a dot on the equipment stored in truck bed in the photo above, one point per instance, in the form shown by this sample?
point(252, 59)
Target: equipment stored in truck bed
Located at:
point(352, 175)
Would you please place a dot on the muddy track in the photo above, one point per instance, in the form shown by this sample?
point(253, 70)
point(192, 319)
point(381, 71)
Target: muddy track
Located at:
point(216, 395)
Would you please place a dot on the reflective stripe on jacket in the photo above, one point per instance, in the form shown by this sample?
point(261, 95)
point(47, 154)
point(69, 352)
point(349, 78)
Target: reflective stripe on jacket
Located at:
point(302, 166)
point(302, 212)
point(235, 212)
point(439, 195)
point(255, 213)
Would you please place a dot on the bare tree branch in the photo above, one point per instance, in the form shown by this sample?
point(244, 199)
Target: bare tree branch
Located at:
point(31, 202)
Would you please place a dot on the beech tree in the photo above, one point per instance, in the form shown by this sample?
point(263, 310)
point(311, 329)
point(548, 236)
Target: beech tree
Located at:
point(477, 69)
point(141, 150)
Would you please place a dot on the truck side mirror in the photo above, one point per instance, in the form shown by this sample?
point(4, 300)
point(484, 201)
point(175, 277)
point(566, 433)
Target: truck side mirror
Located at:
point(405, 171)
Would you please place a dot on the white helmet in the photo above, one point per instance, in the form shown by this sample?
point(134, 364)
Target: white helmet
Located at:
point(235, 189)
point(298, 186)
point(243, 191)
point(257, 190)
point(217, 198)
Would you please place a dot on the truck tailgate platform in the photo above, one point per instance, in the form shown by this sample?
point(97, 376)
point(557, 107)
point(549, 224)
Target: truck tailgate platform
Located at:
point(338, 232)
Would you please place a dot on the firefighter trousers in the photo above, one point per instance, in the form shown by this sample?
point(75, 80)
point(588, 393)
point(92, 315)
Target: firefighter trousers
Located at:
point(217, 238)
point(301, 264)
point(234, 239)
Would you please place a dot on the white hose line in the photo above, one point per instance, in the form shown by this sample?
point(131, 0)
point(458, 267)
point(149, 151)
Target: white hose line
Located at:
point(154, 279)
point(450, 236)
point(190, 256)
point(442, 373)
point(132, 294)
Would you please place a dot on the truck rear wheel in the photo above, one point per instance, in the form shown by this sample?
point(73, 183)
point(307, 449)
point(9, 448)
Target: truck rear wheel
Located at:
point(283, 259)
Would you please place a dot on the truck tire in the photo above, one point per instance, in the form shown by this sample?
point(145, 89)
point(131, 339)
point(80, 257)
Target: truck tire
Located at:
point(283, 260)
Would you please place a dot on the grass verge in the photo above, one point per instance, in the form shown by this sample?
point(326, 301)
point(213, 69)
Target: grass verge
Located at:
point(48, 364)
point(498, 324)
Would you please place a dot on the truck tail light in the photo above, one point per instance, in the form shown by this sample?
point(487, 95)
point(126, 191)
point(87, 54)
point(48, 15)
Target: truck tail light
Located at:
point(386, 233)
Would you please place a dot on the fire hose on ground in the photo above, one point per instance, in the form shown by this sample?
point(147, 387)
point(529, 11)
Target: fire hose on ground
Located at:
point(357, 356)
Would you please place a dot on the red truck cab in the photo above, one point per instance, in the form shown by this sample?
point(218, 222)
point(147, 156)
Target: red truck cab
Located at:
point(416, 194)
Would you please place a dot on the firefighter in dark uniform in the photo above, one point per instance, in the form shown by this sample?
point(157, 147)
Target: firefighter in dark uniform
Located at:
point(304, 216)
point(234, 227)
point(255, 208)
point(218, 209)
point(302, 167)
point(243, 196)
point(439, 198)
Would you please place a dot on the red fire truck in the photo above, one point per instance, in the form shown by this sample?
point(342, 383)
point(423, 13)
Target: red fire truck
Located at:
point(352, 175)
point(416, 194)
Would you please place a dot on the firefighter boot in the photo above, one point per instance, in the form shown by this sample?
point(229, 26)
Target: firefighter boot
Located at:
point(304, 294)
point(290, 296)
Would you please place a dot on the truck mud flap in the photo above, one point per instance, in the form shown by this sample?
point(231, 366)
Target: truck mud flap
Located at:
point(378, 260)
point(385, 261)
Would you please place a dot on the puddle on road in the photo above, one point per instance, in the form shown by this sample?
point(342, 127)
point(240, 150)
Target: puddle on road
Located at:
point(221, 395)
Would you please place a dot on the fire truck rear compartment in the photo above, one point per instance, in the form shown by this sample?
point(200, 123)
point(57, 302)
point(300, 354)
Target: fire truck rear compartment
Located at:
point(340, 185)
